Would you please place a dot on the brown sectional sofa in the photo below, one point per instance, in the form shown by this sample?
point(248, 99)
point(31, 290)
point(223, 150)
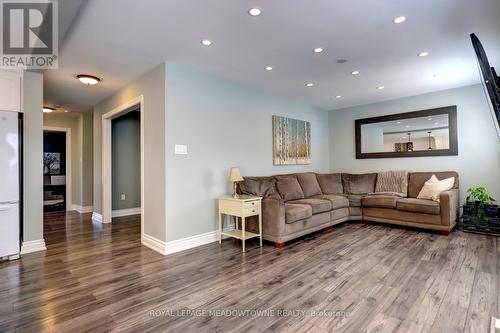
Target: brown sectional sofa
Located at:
point(298, 204)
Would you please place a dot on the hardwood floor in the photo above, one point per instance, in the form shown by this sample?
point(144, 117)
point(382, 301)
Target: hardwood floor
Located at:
point(355, 278)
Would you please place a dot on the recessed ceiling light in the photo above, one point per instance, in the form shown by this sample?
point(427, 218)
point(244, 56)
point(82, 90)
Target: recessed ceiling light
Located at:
point(408, 126)
point(269, 68)
point(318, 50)
point(254, 11)
point(89, 80)
point(310, 84)
point(404, 137)
point(206, 42)
point(436, 123)
point(355, 72)
point(66, 111)
point(423, 54)
point(338, 96)
point(380, 87)
point(47, 109)
point(399, 19)
point(398, 122)
point(429, 119)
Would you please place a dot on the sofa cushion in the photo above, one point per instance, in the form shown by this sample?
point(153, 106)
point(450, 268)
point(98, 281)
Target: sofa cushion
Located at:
point(381, 201)
point(337, 201)
point(330, 183)
point(359, 184)
point(419, 206)
point(289, 188)
point(260, 186)
point(318, 205)
point(417, 180)
point(354, 199)
point(392, 181)
point(433, 188)
point(309, 184)
point(297, 212)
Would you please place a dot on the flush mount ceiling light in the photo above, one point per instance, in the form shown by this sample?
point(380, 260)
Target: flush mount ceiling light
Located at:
point(318, 50)
point(380, 87)
point(355, 72)
point(423, 54)
point(47, 109)
point(269, 68)
point(310, 84)
point(89, 80)
point(254, 11)
point(206, 42)
point(400, 19)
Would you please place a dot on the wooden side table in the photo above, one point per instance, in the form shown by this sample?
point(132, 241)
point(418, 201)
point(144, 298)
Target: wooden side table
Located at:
point(243, 206)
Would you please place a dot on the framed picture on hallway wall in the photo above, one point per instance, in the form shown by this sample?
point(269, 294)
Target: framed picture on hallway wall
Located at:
point(291, 141)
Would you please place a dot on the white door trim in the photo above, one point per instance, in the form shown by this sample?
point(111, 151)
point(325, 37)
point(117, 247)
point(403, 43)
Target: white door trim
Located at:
point(107, 212)
point(67, 130)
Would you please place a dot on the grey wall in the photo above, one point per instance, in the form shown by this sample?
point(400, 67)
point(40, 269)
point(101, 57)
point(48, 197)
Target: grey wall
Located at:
point(224, 124)
point(33, 156)
point(87, 130)
point(478, 161)
point(126, 160)
point(152, 86)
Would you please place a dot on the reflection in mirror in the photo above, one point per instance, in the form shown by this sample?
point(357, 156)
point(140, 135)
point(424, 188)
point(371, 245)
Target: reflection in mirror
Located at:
point(406, 135)
point(430, 132)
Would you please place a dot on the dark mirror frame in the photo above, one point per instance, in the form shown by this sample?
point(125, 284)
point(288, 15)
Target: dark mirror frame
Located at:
point(452, 122)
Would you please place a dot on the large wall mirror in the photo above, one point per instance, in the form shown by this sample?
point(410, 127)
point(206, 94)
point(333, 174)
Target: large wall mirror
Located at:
point(413, 134)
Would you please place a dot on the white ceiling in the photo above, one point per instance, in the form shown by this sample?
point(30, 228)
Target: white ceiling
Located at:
point(119, 40)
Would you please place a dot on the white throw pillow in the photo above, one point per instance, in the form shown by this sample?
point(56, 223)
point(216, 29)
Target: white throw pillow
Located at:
point(433, 188)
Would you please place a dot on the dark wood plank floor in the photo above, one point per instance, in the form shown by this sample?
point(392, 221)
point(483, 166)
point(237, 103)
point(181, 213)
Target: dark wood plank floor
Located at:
point(355, 278)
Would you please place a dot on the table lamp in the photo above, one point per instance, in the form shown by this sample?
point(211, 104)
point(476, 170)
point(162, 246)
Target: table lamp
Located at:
point(234, 177)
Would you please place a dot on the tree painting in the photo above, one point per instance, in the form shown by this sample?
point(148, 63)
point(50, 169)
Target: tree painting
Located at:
point(291, 141)
point(52, 163)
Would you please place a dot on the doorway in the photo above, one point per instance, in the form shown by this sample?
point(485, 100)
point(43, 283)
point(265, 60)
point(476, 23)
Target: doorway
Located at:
point(56, 169)
point(137, 104)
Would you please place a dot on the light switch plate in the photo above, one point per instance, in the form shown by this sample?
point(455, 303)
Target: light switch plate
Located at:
point(123, 196)
point(181, 149)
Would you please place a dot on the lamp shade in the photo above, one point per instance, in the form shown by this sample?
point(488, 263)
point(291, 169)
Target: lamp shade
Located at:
point(234, 175)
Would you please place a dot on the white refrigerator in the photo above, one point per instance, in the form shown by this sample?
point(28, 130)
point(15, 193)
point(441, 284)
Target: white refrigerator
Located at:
point(9, 185)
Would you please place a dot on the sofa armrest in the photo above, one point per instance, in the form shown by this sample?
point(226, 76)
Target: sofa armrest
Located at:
point(273, 216)
point(449, 207)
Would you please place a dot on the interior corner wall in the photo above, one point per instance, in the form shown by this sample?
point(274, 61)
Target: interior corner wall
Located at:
point(33, 156)
point(152, 86)
point(224, 124)
point(87, 175)
point(478, 160)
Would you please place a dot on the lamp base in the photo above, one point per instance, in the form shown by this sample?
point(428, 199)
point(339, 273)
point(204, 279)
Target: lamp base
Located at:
point(235, 195)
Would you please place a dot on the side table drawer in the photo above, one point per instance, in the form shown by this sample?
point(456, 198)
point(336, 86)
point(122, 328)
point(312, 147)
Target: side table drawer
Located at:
point(251, 204)
point(249, 211)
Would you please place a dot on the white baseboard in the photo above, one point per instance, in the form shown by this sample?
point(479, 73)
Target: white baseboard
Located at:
point(190, 242)
point(179, 244)
point(153, 243)
point(126, 212)
point(33, 246)
point(96, 217)
point(83, 209)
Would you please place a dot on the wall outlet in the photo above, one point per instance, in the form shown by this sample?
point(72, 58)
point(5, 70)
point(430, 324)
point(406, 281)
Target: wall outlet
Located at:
point(123, 196)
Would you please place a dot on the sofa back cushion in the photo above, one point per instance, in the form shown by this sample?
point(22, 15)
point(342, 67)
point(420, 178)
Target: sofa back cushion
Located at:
point(392, 182)
point(417, 180)
point(330, 183)
point(309, 184)
point(359, 184)
point(259, 186)
point(289, 188)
